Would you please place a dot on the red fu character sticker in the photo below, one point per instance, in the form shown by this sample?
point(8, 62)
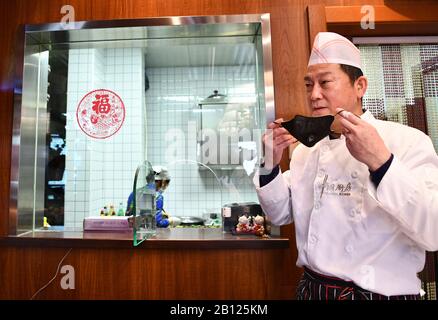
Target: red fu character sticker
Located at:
point(100, 114)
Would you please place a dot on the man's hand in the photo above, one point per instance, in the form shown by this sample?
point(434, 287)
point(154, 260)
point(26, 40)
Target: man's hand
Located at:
point(363, 141)
point(275, 140)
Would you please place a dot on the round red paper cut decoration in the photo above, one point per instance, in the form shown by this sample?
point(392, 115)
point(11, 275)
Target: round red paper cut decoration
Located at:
point(100, 114)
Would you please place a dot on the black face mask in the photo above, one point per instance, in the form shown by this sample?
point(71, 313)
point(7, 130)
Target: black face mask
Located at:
point(309, 130)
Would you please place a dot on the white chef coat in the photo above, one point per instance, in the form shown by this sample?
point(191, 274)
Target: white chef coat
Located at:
point(350, 230)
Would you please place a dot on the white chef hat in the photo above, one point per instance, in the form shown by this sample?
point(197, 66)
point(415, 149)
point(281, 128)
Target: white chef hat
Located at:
point(161, 173)
point(330, 47)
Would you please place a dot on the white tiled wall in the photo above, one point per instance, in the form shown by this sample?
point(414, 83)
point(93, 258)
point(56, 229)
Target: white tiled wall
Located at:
point(173, 96)
point(100, 172)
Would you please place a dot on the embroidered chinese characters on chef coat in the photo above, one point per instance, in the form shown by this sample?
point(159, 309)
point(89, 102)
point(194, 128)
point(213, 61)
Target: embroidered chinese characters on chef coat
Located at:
point(327, 186)
point(335, 187)
point(339, 183)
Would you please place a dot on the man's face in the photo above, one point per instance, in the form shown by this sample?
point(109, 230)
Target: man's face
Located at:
point(328, 87)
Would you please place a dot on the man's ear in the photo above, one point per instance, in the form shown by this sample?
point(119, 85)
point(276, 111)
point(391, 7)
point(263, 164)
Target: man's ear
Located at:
point(361, 85)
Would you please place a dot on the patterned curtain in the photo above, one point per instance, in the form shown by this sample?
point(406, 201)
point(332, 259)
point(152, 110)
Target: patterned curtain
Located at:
point(403, 87)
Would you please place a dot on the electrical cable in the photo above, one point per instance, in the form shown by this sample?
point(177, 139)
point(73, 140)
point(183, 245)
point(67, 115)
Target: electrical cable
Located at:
point(56, 274)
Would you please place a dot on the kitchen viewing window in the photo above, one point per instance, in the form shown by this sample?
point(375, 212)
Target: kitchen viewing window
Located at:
point(98, 99)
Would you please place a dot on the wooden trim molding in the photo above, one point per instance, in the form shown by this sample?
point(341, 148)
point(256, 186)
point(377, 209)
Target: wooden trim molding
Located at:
point(317, 21)
point(390, 20)
point(383, 14)
point(173, 238)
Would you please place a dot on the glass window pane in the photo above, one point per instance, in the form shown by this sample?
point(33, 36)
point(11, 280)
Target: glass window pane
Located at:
point(100, 101)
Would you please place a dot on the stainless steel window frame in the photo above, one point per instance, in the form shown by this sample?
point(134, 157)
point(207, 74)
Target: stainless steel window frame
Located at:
point(26, 209)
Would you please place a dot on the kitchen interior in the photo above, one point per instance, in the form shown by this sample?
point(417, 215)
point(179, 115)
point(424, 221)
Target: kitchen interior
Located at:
point(194, 104)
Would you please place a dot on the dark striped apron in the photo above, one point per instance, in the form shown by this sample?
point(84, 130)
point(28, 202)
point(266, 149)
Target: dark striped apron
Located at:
point(315, 286)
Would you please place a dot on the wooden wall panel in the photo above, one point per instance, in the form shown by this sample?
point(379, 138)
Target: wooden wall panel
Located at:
point(383, 14)
point(351, 2)
point(317, 22)
point(395, 19)
point(391, 3)
point(7, 25)
point(147, 274)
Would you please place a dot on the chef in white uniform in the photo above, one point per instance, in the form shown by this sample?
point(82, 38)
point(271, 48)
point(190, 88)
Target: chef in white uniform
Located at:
point(365, 204)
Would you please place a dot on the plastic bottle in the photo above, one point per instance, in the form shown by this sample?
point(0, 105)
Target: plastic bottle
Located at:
point(121, 211)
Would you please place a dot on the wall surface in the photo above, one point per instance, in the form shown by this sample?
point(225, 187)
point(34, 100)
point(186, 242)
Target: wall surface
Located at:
point(99, 172)
point(173, 94)
point(145, 274)
point(290, 48)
